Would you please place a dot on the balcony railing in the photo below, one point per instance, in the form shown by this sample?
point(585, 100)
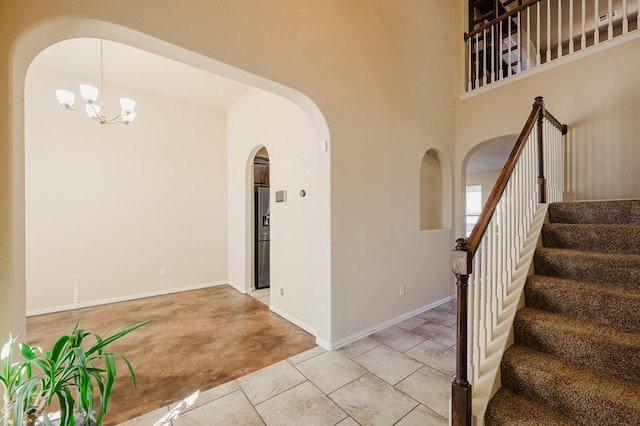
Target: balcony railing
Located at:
point(539, 32)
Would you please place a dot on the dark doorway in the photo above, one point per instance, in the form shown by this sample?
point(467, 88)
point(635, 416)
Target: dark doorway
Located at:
point(262, 237)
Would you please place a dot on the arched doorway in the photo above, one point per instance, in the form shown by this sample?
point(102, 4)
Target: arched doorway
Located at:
point(482, 166)
point(46, 34)
point(261, 218)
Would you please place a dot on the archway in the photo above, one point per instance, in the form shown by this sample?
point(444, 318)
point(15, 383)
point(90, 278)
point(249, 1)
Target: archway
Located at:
point(480, 170)
point(44, 35)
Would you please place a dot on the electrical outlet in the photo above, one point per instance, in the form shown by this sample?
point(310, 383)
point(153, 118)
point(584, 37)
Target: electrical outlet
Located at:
point(281, 289)
point(401, 289)
point(163, 272)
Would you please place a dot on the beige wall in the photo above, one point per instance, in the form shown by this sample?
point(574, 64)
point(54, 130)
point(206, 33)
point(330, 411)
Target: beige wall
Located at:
point(108, 206)
point(595, 95)
point(378, 71)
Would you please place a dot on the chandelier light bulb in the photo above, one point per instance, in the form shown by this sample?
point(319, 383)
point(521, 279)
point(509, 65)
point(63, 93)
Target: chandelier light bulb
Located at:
point(88, 93)
point(129, 117)
point(65, 98)
point(127, 105)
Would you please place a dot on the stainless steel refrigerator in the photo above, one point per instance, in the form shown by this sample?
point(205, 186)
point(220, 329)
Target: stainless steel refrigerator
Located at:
point(262, 237)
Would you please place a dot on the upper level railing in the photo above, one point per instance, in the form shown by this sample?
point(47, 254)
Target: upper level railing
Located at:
point(538, 32)
point(496, 252)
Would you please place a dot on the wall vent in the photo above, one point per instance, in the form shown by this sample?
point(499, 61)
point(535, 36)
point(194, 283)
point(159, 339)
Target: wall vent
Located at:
point(605, 16)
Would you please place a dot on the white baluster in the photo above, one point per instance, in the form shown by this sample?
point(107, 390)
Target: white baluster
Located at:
point(501, 56)
point(596, 31)
point(570, 26)
point(509, 47)
point(610, 26)
point(484, 57)
point(625, 18)
point(528, 41)
point(549, 31)
point(518, 68)
point(560, 29)
point(469, 72)
point(477, 62)
point(538, 58)
point(583, 38)
point(493, 54)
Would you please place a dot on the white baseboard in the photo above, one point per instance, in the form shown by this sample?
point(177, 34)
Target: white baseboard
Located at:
point(332, 346)
point(295, 321)
point(98, 302)
point(237, 287)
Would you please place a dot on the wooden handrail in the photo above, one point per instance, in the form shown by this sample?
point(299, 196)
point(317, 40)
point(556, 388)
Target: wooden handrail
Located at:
point(499, 18)
point(496, 193)
point(466, 248)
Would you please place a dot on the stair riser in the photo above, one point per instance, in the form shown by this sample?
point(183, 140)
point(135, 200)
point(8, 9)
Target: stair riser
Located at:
point(585, 301)
point(618, 358)
point(621, 271)
point(589, 408)
point(609, 239)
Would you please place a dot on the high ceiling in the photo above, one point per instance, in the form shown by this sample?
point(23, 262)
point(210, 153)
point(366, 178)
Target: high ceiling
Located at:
point(135, 68)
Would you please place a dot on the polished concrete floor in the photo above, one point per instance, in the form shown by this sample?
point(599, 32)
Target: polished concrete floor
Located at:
point(197, 340)
point(400, 375)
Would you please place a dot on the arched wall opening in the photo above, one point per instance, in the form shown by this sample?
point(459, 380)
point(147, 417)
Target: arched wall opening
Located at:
point(480, 170)
point(435, 185)
point(38, 38)
point(261, 239)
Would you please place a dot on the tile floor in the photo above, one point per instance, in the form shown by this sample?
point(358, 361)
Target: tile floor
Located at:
point(398, 376)
point(263, 295)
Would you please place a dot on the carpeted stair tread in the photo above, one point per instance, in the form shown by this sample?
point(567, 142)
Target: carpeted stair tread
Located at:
point(577, 340)
point(618, 212)
point(582, 394)
point(608, 268)
point(509, 409)
point(600, 238)
point(608, 304)
point(599, 346)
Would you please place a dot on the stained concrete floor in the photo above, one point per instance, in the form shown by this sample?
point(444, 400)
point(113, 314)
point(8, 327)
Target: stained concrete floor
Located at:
point(197, 340)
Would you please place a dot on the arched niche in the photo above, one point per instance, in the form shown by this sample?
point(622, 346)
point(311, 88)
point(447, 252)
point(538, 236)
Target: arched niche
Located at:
point(435, 191)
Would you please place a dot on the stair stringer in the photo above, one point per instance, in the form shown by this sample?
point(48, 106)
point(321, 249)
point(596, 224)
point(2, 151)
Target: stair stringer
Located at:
point(487, 379)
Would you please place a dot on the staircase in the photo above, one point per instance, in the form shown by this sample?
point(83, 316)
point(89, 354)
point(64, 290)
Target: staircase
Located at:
point(576, 356)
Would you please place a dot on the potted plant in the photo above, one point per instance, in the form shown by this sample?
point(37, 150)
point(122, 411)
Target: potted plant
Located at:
point(71, 373)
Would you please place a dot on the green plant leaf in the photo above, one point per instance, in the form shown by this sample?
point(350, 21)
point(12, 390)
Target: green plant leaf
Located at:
point(58, 348)
point(114, 337)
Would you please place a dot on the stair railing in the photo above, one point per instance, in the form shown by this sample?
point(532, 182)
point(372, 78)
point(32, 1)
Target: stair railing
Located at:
point(532, 176)
point(538, 32)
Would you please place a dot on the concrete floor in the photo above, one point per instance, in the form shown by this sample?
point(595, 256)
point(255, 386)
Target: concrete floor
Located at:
point(197, 340)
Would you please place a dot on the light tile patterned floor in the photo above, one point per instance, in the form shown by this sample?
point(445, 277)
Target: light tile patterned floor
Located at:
point(398, 376)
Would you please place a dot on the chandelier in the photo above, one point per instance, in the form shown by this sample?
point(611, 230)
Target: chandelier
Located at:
point(93, 110)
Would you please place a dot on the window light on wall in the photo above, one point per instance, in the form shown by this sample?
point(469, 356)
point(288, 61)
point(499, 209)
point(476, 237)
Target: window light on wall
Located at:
point(474, 206)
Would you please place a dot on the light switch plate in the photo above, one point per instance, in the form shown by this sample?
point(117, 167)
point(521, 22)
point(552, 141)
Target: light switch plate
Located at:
point(281, 196)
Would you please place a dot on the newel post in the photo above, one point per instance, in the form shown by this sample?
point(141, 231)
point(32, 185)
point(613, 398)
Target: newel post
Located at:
point(542, 181)
point(461, 388)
